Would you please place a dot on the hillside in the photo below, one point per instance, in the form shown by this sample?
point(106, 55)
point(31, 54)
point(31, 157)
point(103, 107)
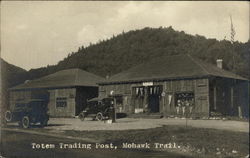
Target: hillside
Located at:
point(128, 49)
point(10, 76)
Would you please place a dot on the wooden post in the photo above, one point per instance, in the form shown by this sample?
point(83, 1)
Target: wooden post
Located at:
point(163, 105)
point(114, 111)
point(215, 98)
point(146, 108)
point(208, 102)
point(232, 98)
point(239, 111)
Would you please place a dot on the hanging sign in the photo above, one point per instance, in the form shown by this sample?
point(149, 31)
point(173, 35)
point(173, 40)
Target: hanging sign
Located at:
point(147, 83)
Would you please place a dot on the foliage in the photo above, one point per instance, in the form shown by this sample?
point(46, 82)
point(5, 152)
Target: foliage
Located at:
point(125, 50)
point(111, 56)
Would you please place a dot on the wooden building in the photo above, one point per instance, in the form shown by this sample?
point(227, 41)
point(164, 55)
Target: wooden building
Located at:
point(66, 91)
point(178, 85)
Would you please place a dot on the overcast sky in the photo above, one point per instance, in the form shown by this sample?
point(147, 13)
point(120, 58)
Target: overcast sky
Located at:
point(35, 34)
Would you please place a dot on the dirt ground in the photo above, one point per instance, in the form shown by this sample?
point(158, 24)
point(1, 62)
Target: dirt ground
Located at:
point(61, 124)
point(199, 139)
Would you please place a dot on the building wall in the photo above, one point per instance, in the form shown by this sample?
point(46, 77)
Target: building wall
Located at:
point(64, 95)
point(229, 97)
point(63, 102)
point(200, 88)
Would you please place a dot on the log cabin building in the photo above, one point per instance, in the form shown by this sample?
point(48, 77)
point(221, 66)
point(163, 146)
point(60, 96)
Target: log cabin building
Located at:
point(66, 91)
point(178, 85)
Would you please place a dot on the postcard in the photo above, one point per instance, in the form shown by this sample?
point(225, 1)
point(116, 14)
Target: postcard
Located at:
point(125, 79)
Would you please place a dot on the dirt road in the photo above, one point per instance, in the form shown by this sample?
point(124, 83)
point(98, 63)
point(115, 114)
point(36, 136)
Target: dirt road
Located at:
point(61, 124)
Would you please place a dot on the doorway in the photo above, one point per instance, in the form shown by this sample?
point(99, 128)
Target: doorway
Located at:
point(154, 93)
point(154, 103)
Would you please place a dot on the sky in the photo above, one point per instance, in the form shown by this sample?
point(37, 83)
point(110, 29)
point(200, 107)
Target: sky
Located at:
point(40, 33)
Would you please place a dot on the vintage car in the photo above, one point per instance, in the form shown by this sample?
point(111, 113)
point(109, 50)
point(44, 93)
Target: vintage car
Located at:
point(99, 108)
point(28, 112)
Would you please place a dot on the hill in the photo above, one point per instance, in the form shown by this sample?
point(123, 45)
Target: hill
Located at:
point(108, 57)
point(11, 75)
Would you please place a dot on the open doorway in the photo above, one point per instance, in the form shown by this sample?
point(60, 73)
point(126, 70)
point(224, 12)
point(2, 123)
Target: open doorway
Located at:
point(154, 93)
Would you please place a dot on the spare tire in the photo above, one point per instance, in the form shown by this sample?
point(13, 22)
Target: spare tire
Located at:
point(8, 116)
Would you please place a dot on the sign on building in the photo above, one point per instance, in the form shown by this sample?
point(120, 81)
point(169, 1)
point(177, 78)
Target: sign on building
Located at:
point(147, 83)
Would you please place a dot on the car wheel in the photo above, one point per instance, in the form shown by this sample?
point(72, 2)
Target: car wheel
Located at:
point(26, 122)
point(99, 116)
point(8, 116)
point(81, 116)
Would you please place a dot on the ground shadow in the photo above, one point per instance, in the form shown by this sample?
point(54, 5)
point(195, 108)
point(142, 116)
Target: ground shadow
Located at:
point(121, 115)
point(35, 125)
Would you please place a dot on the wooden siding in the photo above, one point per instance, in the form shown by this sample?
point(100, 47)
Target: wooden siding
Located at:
point(227, 95)
point(69, 110)
point(199, 87)
point(76, 99)
point(201, 97)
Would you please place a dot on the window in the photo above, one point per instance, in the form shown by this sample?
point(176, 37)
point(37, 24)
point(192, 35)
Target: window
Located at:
point(119, 100)
point(184, 99)
point(61, 102)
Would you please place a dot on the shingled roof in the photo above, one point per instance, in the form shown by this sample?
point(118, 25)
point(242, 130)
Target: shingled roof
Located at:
point(170, 67)
point(64, 78)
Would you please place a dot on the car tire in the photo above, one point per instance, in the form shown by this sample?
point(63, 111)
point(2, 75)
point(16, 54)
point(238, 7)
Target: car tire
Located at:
point(81, 116)
point(99, 116)
point(25, 122)
point(8, 116)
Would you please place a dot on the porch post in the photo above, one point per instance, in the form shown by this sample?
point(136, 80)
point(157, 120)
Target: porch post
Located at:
point(146, 108)
point(232, 97)
point(215, 99)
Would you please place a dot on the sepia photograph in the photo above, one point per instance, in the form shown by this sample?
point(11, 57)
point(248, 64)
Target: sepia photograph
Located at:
point(124, 79)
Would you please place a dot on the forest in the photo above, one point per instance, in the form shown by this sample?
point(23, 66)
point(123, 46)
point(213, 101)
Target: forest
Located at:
point(118, 53)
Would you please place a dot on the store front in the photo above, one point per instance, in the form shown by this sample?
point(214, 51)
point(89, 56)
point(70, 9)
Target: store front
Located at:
point(146, 98)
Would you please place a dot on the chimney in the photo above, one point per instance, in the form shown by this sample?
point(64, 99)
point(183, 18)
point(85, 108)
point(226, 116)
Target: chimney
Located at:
point(219, 63)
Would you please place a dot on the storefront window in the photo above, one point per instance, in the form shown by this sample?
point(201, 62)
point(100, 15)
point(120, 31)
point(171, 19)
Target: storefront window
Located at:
point(184, 99)
point(61, 102)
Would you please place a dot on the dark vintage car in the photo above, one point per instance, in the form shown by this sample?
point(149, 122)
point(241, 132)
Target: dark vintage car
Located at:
point(28, 112)
point(98, 108)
